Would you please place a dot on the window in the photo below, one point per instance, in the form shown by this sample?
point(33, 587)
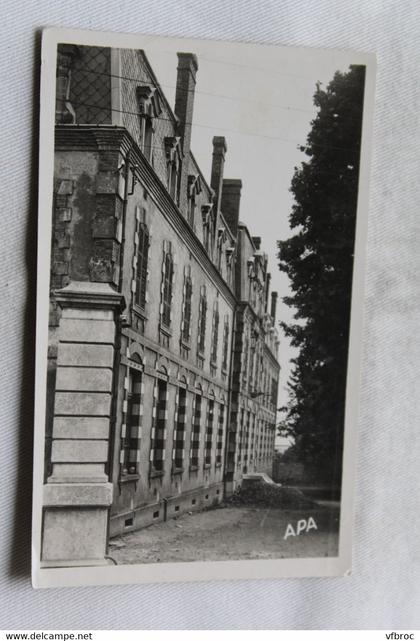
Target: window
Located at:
point(240, 435)
point(202, 322)
point(209, 433)
point(141, 268)
point(215, 334)
point(251, 376)
point(149, 108)
point(206, 236)
point(186, 321)
point(221, 239)
point(206, 212)
point(173, 181)
point(274, 391)
point(194, 188)
point(147, 137)
point(245, 359)
point(191, 210)
point(195, 432)
point(132, 424)
point(179, 435)
point(159, 428)
point(252, 437)
point(229, 260)
point(173, 164)
point(246, 439)
point(220, 430)
point(225, 345)
point(168, 273)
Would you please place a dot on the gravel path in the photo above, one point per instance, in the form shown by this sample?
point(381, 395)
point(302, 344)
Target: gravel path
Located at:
point(230, 533)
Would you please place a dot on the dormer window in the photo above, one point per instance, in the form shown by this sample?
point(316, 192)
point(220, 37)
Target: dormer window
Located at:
point(147, 137)
point(173, 164)
point(221, 238)
point(229, 261)
point(206, 212)
point(194, 188)
point(149, 109)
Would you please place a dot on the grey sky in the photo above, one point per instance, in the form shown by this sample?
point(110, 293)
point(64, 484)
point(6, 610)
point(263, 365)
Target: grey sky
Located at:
point(260, 99)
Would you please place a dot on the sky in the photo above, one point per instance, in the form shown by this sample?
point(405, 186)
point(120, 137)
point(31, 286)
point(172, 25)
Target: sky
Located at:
point(261, 99)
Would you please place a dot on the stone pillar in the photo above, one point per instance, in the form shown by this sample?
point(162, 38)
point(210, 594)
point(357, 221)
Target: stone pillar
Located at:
point(77, 495)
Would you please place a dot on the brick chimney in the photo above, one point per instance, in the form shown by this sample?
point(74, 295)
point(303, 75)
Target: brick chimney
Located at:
point(274, 296)
point(231, 198)
point(217, 167)
point(184, 106)
point(257, 242)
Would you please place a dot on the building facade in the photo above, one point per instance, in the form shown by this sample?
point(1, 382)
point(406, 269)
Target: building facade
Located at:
point(162, 361)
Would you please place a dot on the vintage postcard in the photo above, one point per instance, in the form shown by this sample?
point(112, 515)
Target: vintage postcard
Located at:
point(202, 226)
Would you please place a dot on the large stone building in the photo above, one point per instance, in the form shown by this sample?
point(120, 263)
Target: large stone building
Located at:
point(162, 375)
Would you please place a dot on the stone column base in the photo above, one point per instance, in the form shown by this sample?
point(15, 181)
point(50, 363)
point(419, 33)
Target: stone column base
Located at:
point(75, 523)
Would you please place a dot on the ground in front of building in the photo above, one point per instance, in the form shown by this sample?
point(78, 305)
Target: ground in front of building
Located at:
point(231, 533)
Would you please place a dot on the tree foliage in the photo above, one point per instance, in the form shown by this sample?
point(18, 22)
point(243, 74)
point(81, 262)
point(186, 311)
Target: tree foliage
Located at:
point(319, 260)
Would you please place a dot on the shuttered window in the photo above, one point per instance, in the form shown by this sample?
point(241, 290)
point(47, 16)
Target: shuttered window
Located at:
point(141, 269)
point(202, 325)
point(225, 345)
point(195, 433)
point(167, 289)
point(186, 327)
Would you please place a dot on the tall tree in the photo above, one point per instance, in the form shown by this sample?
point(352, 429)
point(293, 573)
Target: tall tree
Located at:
point(319, 260)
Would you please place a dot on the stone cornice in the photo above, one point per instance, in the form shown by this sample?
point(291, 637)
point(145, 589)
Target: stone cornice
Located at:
point(94, 138)
point(91, 295)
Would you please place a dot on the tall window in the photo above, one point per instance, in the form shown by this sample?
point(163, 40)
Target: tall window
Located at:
point(252, 437)
point(159, 433)
point(215, 334)
point(206, 211)
point(245, 359)
point(179, 436)
point(147, 137)
point(191, 210)
point(168, 274)
point(195, 432)
point(274, 391)
point(132, 423)
point(149, 108)
point(209, 433)
point(221, 238)
point(246, 438)
point(172, 165)
point(240, 435)
point(225, 345)
point(220, 430)
point(186, 321)
point(194, 188)
point(141, 268)
point(206, 236)
point(202, 322)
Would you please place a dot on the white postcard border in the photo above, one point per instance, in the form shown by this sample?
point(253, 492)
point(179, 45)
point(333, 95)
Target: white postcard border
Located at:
point(209, 570)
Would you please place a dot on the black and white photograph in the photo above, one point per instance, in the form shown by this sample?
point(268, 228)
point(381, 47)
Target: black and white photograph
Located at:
point(202, 227)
